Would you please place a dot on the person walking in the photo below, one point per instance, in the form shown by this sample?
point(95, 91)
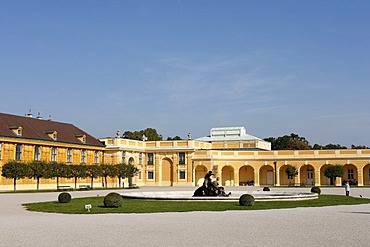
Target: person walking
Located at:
point(347, 188)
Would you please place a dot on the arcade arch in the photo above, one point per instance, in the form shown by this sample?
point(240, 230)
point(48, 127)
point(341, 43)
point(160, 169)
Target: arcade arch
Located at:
point(200, 172)
point(246, 175)
point(227, 177)
point(266, 175)
point(307, 175)
point(366, 174)
point(167, 172)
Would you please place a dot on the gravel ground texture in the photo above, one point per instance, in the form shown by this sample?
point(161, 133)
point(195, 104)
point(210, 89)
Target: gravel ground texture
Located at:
point(324, 226)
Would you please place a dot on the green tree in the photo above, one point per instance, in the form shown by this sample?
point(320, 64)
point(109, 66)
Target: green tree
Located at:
point(176, 138)
point(289, 142)
point(291, 171)
point(333, 172)
point(77, 171)
point(15, 170)
point(37, 170)
point(121, 172)
point(108, 171)
point(150, 134)
point(93, 172)
point(359, 147)
point(131, 171)
point(55, 170)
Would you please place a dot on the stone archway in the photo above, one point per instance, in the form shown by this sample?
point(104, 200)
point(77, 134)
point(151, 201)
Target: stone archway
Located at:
point(350, 174)
point(200, 172)
point(324, 180)
point(246, 175)
point(227, 178)
point(284, 180)
point(307, 175)
point(266, 174)
point(366, 174)
point(167, 172)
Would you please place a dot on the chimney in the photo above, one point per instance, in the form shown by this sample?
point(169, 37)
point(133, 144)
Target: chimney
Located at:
point(39, 116)
point(29, 114)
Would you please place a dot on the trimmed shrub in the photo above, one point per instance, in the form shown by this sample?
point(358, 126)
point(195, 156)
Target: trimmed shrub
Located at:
point(246, 200)
point(64, 197)
point(316, 190)
point(113, 200)
point(266, 189)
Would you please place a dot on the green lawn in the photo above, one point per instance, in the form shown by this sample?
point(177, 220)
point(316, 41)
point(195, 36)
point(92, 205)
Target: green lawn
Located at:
point(77, 206)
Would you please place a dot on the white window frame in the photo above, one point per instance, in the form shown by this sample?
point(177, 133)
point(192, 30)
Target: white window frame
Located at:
point(140, 159)
point(123, 159)
point(18, 151)
point(180, 173)
point(182, 158)
point(54, 154)
point(69, 155)
point(96, 157)
point(37, 154)
point(350, 174)
point(83, 156)
point(152, 175)
point(150, 158)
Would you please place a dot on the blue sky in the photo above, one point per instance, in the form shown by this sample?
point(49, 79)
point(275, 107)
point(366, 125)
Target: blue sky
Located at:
point(274, 67)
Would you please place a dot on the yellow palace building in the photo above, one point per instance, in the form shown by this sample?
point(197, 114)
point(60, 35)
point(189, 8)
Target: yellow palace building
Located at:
point(29, 138)
point(236, 157)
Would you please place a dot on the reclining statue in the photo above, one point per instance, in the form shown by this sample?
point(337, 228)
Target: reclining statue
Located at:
point(210, 188)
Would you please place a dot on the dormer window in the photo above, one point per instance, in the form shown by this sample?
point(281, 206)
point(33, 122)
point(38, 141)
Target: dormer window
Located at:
point(17, 130)
point(81, 137)
point(52, 134)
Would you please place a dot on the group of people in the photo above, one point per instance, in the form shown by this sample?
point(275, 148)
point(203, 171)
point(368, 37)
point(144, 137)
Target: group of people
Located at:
point(211, 187)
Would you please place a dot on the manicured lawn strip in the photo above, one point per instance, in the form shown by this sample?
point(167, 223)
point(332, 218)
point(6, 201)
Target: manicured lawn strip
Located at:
point(77, 206)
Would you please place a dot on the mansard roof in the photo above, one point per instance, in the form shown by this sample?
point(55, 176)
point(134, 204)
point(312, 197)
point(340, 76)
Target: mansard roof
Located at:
point(39, 129)
point(229, 134)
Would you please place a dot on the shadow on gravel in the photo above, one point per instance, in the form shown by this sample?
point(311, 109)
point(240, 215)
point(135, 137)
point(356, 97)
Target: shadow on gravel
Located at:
point(357, 212)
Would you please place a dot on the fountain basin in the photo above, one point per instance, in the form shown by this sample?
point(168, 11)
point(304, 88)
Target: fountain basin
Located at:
point(188, 196)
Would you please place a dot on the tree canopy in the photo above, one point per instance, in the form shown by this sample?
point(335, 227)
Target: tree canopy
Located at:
point(296, 142)
point(149, 133)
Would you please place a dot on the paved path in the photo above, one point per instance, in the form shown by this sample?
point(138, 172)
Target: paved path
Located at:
point(325, 226)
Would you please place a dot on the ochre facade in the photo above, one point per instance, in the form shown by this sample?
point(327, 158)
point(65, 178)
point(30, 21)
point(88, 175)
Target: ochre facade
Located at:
point(233, 167)
point(236, 157)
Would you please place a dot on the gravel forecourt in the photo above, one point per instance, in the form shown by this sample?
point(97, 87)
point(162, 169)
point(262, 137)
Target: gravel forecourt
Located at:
point(323, 226)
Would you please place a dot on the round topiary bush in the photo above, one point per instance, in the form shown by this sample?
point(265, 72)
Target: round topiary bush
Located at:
point(113, 200)
point(316, 190)
point(64, 197)
point(246, 200)
point(266, 189)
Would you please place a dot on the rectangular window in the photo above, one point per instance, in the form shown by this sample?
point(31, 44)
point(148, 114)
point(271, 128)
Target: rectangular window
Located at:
point(96, 157)
point(69, 155)
point(150, 159)
point(290, 176)
point(350, 174)
point(182, 158)
point(150, 175)
point(123, 157)
point(140, 159)
point(182, 175)
point(37, 155)
point(139, 175)
point(83, 156)
point(18, 152)
point(54, 154)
